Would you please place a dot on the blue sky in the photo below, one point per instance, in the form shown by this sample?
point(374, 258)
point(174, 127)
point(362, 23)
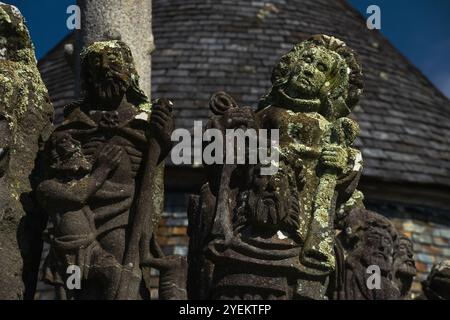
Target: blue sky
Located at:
point(420, 29)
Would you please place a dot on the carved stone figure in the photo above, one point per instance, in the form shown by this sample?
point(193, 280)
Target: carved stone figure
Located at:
point(437, 284)
point(25, 124)
point(259, 236)
point(368, 240)
point(404, 265)
point(101, 165)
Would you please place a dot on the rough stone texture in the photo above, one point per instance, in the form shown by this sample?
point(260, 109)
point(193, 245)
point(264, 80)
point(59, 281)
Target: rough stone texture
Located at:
point(25, 123)
point(207, 46)
point(429, 229)
point(437, 284)
point(370, 239)
point(256, 234)
point(129, 21)
point(100, 167)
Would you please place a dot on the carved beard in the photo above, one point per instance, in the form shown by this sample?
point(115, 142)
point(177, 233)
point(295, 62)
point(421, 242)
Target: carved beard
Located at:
point(254, 209)
point(270, 212)
point(110, 89)
point(370, 257)
point(110, 86)
point(407, 269)
point(267, 211)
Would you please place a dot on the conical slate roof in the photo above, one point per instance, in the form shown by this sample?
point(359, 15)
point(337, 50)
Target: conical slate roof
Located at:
point(204, 46)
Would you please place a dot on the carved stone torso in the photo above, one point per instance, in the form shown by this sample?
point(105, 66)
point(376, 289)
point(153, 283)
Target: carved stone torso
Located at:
point(112, 202)
point(275, 233)
point(105, 215)
point(302, 136)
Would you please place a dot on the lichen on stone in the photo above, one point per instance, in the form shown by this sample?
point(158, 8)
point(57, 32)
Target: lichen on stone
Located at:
point(26, 115)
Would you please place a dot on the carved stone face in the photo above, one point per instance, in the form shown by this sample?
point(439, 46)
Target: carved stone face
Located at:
point(311, 72)
point(403, 260)
point(66, 146)
point(108, 74)
point(274, 202)
point(68, 156)
point(320, 75)
point(378, 247)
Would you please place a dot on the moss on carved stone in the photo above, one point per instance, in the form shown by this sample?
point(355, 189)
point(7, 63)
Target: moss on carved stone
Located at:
point(315, 87)
point(26, 114)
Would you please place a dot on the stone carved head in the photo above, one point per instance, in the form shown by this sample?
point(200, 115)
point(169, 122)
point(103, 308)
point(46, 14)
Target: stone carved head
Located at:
point(437, 285)
point(66, 156)
point(109, 73)
point(272, 204)
point(320, 74)
point(369, 239)
point(404, 264)
point(15, 41)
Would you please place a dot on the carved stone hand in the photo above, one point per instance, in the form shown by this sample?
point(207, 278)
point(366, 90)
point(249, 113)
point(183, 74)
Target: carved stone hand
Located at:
point(334, 157)
point(109, 157)
point(162, 125)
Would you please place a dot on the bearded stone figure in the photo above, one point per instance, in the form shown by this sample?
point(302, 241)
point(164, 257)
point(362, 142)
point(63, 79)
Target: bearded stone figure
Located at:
point(101, 162)
point(255, 235)
point(404, 265)
point(367, 241)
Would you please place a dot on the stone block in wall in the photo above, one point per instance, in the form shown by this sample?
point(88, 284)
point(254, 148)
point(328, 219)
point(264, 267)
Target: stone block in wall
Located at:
point(434, 251)
point(410, 226)
point(442, 242)
point(154, 293)
point(445, 233)
point(180, 250)
point(164, 231)
point(179, 231)
point(171, 222)
point(421, 267)
point(446, 253)
point(173, 241)
point(425, 258)
point(423, 238)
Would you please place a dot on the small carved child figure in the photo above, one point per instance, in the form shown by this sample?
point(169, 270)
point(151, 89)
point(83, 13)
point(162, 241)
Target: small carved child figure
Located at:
point(315, 87)
point(65, 196)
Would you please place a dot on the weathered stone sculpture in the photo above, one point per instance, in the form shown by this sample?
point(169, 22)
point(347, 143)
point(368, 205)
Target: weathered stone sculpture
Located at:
point(101, 165)
point(272, 237)
point(25, 123)
point(368, 239)
point(437, 285)
point(404, 265)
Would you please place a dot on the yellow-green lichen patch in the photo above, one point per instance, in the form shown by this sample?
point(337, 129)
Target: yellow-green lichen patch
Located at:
point(4, 17)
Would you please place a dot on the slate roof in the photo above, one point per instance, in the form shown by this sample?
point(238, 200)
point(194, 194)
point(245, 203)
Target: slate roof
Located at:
point(58, 77)
point(203, 46)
